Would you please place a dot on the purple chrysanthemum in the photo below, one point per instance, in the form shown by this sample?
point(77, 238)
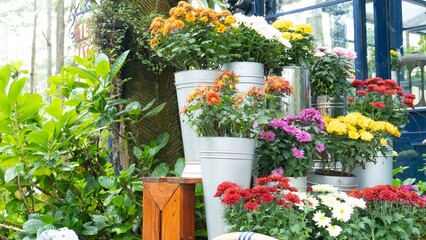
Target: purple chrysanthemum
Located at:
point(410, 188)
point(292, 130)
point(268, 136)
point(274, 123)
point(320, 148)
point(278, 171)
point(303, 136)
point(297, 153)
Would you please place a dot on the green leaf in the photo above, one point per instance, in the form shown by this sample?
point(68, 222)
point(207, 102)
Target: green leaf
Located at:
point(99, 218)
point(13, 171)
point(118, 201)
point(162, 140)
point(39, 137)
point(16, 89)
point(133, 108)
point(89, 230)
point(179, 166)
point(5, 105)
point(106, 182)
point(8, 161)
point(47, 219)
point(31, 226)
point(116, 66)
point(122, 228)
point(42, 172)
point(90, 77)
point(137, 152)
point(148, 106)
point(154, 111)
point(161, 170)
point(55, 110)
point(102, 65)
point(4, 78)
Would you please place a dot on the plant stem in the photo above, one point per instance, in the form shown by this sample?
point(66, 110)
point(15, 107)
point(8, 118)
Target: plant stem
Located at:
point(23, 195)
point(11, 228)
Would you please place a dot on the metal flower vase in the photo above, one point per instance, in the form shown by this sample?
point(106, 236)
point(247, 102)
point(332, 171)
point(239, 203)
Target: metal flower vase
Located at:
point(330, 106)
point(299, 78)
point(186, 82)
point(342, 183)
point(379, 173)
point(223, 159)
point(251, 74)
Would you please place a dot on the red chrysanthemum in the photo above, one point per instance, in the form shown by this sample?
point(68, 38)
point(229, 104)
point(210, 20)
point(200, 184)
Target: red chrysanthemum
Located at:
point(372, 87)
point(357, 83)
point(409, 102)
point(251, 206)
point(410, 96)
point(213, 98)
point(390, 92)
point(231, 199)
point(246, 193)
point(361, 92)
point(356, 193)
point(262, 194)
point(220, 190)
point(387, 195)
point(378, 105)
point(293, 198)
point(351, 99)
point(391, 83)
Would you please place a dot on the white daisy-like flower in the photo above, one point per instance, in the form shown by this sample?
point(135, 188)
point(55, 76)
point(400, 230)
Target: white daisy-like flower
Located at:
point(328, 200)
point(321, 220)
point(314, 202)
point(342, 211)
point(324, 188)
point(356, 202)
point(334, 230)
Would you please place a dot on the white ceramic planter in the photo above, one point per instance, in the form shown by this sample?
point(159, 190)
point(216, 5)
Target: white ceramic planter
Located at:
point(186, 82)
point(223, 159)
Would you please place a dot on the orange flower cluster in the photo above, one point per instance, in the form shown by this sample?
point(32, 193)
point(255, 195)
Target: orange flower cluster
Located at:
point(275, 84)
point(186, 15)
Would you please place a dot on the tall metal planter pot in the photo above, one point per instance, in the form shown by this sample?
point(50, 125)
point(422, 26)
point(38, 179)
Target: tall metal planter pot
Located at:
point(251, 74)
point(330, 106)
point(223, 159)
point(299, 78)
point(186, 82)
point(379, 173)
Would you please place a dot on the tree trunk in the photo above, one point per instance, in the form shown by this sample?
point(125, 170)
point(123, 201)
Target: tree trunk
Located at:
point(33, 49)
point(60, 35)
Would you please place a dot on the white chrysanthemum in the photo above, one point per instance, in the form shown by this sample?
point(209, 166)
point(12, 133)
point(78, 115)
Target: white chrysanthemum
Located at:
point(340, 195)
point(342, 211)
point(328, 200)
point(334, 230)
point(356, 202)
point(261, 26)
point(314, 202)
point(324, 188)
point(321, 220)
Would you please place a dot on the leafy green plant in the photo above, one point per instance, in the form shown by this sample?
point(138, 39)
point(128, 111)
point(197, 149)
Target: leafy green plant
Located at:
point(55, 168)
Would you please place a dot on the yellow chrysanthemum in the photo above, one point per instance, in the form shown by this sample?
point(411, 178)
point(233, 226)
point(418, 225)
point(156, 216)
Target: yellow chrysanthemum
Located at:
point(179, 24)
point(363, 122)
point(366, 136)
point(190, 17)
point(393, 53)
point(353, 135)
point(296, 36)
point(221, 29)
point(226, 13)
point(336, 127)
point(287, 35)
point(282, 24)
point(383, 142)
point(215, 23)
point(204, 19)
point(153, 43)
point(327, 119)
point(304, 28)
point(230, 20)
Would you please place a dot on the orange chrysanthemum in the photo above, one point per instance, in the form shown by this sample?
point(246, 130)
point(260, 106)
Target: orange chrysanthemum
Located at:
point(213, 98)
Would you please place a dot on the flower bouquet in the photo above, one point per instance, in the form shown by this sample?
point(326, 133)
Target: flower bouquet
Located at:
point(302, 43)
point(220, 110)
point(276, 89)
point(391, 213)
point(353, 140)
point(192, 38)
point(330, 71)
point(254, 40)
point(291, 143)
point(381, 100)
point(283, 213)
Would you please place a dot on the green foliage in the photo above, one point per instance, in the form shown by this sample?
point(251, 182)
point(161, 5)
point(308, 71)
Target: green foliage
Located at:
point(54, 163)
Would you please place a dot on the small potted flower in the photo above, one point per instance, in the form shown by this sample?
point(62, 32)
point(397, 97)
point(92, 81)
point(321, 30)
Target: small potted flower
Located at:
point(283, 213)
point(394, 57)
point(352, 141)
point(291, 143)
point(224, 118)
point(277, 90)
point(380, 100)
point(330, 72)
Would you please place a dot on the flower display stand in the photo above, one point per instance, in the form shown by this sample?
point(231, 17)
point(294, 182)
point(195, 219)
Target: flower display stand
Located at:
point(168, 208)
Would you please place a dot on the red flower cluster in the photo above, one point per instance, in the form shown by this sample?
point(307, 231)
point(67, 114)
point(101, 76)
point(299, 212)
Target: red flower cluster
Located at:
point(382, 193)
point(230, 193)
point(378, 85)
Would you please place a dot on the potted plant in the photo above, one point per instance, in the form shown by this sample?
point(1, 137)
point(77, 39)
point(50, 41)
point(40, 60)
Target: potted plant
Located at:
point(283, 213)
point(394, 57)
point(380, 100)
point(224, 119)
point(329, 73)
point(295, 61)
point(352, 141)
point(291, 143)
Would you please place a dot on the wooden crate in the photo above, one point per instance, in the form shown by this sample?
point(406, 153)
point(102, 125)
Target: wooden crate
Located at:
point(168, 208)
